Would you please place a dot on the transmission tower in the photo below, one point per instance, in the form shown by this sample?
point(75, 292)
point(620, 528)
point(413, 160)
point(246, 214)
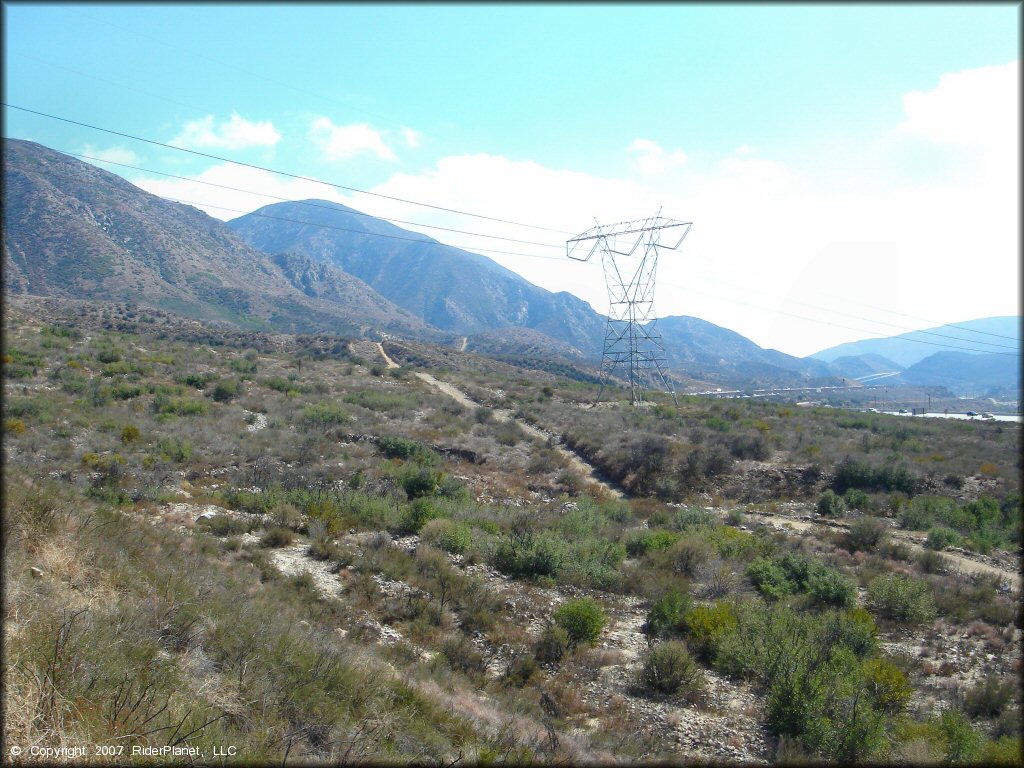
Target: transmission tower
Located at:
point(629, 255)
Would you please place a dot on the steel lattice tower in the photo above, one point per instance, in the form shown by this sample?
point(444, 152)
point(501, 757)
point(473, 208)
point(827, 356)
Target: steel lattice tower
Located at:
point(629, 255)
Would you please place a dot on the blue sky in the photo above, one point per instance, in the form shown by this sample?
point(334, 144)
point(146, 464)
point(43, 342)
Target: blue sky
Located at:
point(840, 163)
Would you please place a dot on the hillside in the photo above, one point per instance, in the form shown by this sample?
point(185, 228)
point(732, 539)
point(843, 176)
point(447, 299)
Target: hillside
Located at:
point(453, 289)
point(75, 231)
point(469, 294)
point(708, 351)
point(983, 336)
point(968, 374)
point(317, 550)
point(858, 366)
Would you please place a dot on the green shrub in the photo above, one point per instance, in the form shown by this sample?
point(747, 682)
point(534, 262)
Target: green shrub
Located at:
point(940, 538)
point(902, 598)
point(407, 450)
point(669, 668)
point(857, 499)
point(666, 614)
point(705, 624)
point(447, 535)
point(989, 698)
point(225, 525)
point(226, 390)
point(887, 685)
point(582, 618)
point(175, 449)
point(769, 578)
point(1006, 750)
point(552, 645)
point(277, 536)
point(830, 504)
point(963, 743)
point(243, 365)
point(130, 433)
point(932, 562)
point(541, 555)
point(827, 586)
point(418, 513)
point(324, 415)
point(418, 480)
point(179, 406)
point(124, 391)
point(522, 669)
point(866, 534)
point(381, 401)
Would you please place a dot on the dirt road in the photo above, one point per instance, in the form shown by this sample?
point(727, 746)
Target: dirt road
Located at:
point(576, 463)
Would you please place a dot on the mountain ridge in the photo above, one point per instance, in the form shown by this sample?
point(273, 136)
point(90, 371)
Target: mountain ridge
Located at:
point(74, 230)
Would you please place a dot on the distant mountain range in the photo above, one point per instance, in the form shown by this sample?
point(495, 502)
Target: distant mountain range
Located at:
point(985, 357)
point(74, 231)
point(985, 336)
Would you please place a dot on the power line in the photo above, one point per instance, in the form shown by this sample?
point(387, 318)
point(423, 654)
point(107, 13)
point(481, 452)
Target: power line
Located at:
point(883, 322)
point(538, 256)
point(282, 173)
point(826, 322)
point(425, 241)
point(308, 203)
point(458, 212)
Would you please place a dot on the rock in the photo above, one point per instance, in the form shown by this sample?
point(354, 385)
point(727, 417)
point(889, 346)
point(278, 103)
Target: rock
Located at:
point(36, 572)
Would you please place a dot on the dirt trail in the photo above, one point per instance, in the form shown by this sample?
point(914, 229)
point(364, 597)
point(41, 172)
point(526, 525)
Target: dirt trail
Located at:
point(577, 464)
point(913, 541)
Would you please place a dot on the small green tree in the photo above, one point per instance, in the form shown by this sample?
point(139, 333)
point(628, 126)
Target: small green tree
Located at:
point(830, 504)
point(582, 618)
point(669, 668)
point(902, 598)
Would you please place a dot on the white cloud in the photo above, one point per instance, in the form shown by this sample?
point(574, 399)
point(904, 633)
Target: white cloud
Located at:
point(975, 107)
point(652, 159)
point(767, 239)
point(111, 154)
point(259, 188)
point(340, 142)
point(413, 139)
point(234, 133)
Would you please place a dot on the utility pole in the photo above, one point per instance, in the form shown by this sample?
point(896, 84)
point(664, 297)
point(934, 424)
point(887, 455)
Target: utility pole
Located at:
point(629, 256)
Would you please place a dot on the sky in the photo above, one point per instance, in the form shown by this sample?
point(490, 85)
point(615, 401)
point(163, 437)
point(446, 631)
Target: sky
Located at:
point(850, 170)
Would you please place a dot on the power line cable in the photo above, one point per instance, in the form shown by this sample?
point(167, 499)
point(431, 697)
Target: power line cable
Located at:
point(283, 173)
point(308, 203)
point(879, 322)
point(510, 253)
point(425, 241)
point(441, 208)
point(826, 322)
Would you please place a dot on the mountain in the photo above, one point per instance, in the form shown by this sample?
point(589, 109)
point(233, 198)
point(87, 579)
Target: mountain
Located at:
point(74, 231)
point(471, 295)
point(984, 336)
point(455, 290)
point(968, 374)
point(860, 366)
point(706, 350)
